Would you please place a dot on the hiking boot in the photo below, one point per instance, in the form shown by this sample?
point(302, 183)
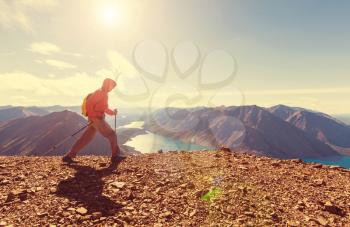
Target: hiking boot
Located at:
point(68, 160)
point(117, 159)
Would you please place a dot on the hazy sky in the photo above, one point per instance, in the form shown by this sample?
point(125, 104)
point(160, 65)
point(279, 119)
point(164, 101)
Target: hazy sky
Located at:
point(264, 52)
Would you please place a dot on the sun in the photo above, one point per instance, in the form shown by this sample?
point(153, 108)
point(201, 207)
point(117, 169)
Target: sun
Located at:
point(110, 15)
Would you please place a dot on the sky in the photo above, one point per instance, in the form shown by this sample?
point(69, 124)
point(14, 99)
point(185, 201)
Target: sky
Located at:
point(177, 53)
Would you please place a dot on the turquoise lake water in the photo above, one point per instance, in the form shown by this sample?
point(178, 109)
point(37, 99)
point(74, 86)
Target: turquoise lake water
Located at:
point(151, 142)
point(343, 161)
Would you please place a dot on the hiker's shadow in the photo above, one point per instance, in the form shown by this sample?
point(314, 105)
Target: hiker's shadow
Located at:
point(85, 189)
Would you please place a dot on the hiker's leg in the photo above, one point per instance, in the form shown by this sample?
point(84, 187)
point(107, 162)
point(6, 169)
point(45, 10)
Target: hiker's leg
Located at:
point(109, 133)
point(84, 139)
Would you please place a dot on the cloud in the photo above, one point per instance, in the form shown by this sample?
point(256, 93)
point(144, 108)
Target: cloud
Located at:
point(18, 82)
point(16, 13)
point(22, 88)
point(57, 64)
point(44, 48)
point(73, 54)
point(47, 48)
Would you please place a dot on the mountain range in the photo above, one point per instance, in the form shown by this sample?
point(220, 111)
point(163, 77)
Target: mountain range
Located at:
point(279, 131)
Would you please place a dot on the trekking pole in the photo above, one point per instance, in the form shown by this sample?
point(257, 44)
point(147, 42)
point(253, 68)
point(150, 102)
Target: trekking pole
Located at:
point(65, 139)
point(115, 123)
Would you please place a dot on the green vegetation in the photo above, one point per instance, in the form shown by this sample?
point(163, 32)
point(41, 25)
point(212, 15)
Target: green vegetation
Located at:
point(212, 194)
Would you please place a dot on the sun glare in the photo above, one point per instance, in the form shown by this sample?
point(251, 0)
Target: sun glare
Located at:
point(111, 15)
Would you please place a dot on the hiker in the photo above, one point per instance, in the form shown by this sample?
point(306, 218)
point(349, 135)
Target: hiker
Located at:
point(95, 107)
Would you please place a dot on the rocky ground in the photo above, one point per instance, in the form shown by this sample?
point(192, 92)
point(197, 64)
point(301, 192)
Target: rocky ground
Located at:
point(204, 188)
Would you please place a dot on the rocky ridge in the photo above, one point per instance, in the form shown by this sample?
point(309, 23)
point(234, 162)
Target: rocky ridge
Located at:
point(172, 189)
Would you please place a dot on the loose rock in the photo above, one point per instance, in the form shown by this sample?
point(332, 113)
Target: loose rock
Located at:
point(81, 210)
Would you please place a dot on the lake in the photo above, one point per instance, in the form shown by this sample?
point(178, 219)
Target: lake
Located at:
point(340, 160)
point(151, 142)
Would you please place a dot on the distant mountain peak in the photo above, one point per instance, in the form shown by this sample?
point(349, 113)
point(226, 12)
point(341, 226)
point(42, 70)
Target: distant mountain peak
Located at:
point(11, 113)
point(316, 124)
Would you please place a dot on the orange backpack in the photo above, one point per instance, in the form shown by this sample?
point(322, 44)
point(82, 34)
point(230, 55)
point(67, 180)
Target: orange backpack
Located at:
point(84, 105)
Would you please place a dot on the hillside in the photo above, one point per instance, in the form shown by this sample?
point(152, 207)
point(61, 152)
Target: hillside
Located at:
point(318, 125)
point(35, 135)
point(171, 189)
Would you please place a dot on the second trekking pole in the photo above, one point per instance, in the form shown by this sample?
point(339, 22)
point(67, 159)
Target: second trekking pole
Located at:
point(67, 138)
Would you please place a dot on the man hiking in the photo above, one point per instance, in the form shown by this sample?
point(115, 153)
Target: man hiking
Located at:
point(95, 107)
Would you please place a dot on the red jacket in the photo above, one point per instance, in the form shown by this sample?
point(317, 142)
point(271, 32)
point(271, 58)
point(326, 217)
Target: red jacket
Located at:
point(97, 102)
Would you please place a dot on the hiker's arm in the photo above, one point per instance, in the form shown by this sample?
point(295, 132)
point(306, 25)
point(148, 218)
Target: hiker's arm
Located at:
point(108, 110)
point(102, 105)
point(111, 112)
